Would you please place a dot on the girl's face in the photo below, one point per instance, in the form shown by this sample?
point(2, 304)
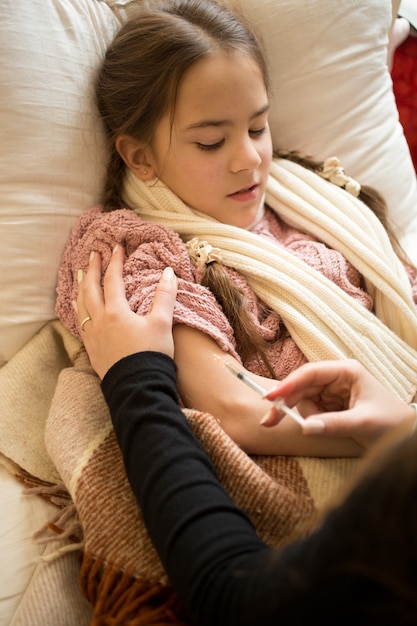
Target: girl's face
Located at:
point(217, 153)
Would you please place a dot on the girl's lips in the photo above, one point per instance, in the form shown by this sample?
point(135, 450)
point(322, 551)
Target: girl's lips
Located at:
point(246, 194)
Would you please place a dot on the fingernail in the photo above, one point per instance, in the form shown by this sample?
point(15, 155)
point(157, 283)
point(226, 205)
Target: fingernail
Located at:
point(168, 274)
point(265, 418)
point(92, 253)
point(80, 276)
point(313, 427)
point(115, 249)
point(74, 305)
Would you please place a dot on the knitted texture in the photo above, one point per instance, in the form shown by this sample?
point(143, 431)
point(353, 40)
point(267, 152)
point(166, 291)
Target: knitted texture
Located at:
point(325, 322)
point(149, 248)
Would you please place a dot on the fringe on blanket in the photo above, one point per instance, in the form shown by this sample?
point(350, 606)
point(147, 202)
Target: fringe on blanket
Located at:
point(63, 526)
point(117, 597)
point(122, 600)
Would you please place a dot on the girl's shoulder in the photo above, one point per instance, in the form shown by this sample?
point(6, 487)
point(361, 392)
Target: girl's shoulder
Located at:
point(122, 218)
point(149, 248)
point(123, 226)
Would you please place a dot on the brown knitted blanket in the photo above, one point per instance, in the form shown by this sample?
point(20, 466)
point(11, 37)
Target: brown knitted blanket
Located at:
point(56, 435)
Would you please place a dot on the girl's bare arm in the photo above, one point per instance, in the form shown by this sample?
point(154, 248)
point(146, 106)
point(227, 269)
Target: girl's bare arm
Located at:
point(205, 384)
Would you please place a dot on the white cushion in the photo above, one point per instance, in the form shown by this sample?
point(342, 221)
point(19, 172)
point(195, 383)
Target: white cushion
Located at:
point(333, 94)
point(408, 9)
point(52, 158)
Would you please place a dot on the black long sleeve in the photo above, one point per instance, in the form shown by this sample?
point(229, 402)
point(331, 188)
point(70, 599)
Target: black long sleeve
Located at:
point(219, 567)
point(209, 548)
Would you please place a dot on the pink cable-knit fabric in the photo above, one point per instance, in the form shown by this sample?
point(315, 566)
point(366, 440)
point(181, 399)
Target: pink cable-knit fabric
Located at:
point(150, 248)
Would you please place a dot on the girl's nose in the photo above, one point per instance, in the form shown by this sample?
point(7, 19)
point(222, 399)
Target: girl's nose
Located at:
point(245, 156)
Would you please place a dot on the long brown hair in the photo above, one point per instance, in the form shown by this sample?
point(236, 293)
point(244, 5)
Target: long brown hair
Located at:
point(138, 84)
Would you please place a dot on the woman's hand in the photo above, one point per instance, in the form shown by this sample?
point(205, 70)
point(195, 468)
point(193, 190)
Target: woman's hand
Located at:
point(111, 330)
point(345, 397)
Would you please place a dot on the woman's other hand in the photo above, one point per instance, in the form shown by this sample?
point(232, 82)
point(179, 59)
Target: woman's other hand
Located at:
point(111, 330)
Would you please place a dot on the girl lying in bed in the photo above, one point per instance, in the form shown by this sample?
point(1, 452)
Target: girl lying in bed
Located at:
point(276, 265)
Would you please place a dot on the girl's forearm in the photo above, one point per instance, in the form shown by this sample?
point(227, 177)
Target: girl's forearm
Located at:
point(206, 384)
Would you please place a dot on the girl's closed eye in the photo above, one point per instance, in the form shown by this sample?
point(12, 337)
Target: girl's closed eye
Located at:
point(213, 146)
point(210, 146)
point(258, 131)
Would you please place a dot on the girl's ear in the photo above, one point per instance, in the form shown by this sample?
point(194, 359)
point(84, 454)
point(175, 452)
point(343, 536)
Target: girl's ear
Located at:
point(137, 157)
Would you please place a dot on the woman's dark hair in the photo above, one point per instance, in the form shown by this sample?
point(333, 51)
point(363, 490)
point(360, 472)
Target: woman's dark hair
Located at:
point(366, 563)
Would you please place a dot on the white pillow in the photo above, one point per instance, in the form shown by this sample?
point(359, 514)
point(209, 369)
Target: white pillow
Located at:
point(408, 9)
point(52, 158)
point(332, 96)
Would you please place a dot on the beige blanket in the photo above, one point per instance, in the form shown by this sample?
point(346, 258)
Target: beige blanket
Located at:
point(56, 436)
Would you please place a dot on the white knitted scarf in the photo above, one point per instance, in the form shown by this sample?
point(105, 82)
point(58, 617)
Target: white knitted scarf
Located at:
point(324, 321)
